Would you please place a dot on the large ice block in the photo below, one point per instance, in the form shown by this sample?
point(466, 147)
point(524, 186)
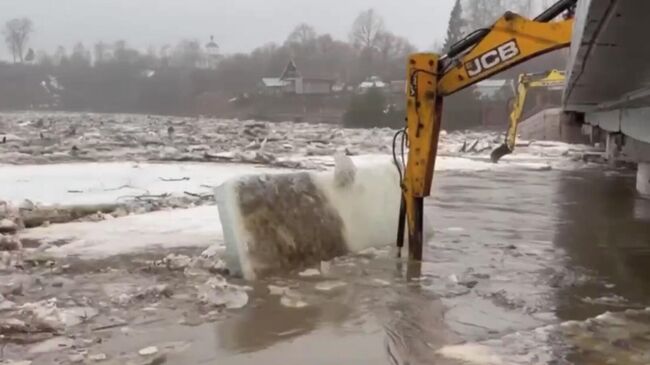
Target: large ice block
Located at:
point(281, 222)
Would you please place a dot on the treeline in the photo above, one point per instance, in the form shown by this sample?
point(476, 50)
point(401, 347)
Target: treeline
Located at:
point(466, 108)
point(175, 79)
point(116, 77)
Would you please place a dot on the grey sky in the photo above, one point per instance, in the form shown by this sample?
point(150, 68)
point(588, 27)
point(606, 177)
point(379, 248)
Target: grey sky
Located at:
point(238, 25)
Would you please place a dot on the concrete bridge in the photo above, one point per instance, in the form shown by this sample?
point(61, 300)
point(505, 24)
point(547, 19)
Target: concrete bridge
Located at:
point(609, 78)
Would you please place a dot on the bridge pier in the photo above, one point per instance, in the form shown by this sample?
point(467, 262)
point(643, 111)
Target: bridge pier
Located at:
point(613, 147)
point(643, 179)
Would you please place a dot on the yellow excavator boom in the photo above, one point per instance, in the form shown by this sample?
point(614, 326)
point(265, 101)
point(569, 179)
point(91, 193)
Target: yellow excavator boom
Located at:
point(512, 40)
point(525, 82)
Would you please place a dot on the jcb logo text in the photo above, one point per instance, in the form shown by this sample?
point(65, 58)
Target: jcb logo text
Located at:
point(492, 58)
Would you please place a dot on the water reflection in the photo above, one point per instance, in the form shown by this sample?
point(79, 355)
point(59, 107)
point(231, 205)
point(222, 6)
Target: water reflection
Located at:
point(382, 314)
point(265, 323)
point(414, 319)
point(606, 237)
point(506, 267)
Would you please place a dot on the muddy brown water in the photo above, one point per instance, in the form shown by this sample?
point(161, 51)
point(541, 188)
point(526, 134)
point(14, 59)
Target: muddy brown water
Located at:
point(515, 254)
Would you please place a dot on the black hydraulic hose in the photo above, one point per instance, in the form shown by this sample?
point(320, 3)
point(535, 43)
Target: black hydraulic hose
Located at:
point(555, 10)
point(398, 165)
point(401, 225)
point(467, 42)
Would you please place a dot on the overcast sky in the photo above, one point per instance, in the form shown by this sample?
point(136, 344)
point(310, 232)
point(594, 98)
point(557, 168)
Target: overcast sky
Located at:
point(238, 25)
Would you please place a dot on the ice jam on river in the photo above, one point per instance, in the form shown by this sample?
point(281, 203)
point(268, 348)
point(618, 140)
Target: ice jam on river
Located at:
point(112, 252)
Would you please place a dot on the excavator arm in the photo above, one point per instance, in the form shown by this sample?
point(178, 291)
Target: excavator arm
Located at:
point(551, 79)
point(512, 40)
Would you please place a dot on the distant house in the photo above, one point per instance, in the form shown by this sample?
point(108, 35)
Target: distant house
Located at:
point(370, 82)
point(274, 85)
point(292, 81)
point(212, 52)
point(494, 95)
point(339, 87)
point(489, 89)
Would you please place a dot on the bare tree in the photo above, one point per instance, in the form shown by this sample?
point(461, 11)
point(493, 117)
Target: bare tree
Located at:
point(391, 47)
point(100, 50)
point(60, 56)
point(385, 44)
point(302, 34)
point(483, 13)
point(122, 53)
point(17, 32)
point(80, 56)
point(188, 54)
point(44, 59)
point(367, 29)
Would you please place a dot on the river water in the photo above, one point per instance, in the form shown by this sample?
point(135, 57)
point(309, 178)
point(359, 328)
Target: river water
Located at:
point(526, 267)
